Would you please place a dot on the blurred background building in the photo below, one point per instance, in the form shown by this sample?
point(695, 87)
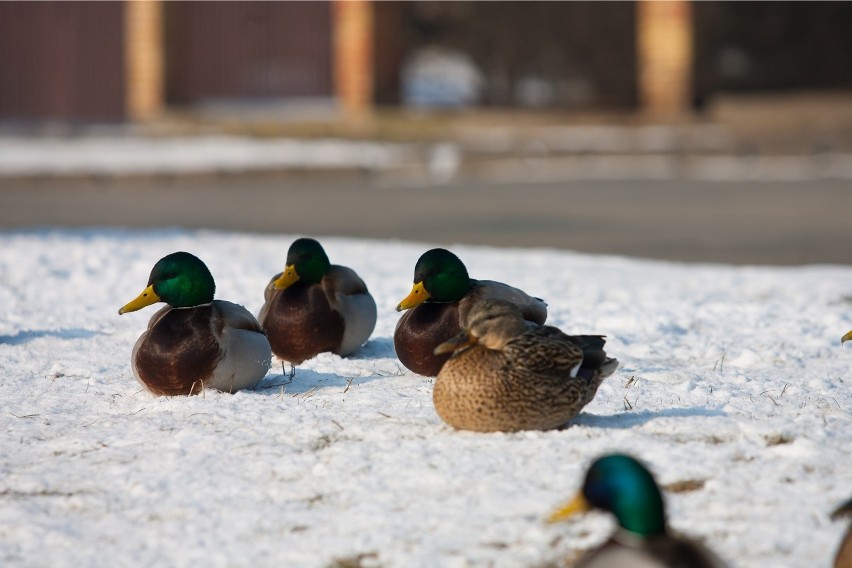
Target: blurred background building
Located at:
point(686, 130)
point(137, 59)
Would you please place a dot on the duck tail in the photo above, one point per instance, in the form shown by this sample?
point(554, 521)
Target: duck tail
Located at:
point(595, 360)
point(594, 356)
point(608, 367)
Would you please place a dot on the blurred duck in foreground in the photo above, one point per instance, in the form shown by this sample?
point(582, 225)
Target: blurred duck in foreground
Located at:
point(315, 306)
point(622, 486)
point(439, 307)
point(846, 337)
point(843, 559)
point(507, 374)
point(195, 342)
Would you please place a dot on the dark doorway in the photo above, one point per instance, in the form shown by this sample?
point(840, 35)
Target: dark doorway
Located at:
point(771, 46)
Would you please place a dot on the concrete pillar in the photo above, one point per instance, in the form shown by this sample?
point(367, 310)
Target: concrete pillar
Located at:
point(664, 36)
point(144, 59)
point(352, 25)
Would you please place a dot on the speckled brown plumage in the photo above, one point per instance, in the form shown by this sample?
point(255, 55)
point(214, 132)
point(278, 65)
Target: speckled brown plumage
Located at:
point(843, 558)
point(420, 330)
point(520, 376)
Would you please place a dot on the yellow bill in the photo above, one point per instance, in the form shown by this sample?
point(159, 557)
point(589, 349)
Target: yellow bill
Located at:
point(577, 505)
point(287, 278)
point(846, 337)
point(146, 298)
point(417, 296)
point(460, 341)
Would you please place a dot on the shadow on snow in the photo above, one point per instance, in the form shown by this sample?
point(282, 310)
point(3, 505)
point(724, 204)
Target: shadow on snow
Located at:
point(630, 419)
point(25, 336)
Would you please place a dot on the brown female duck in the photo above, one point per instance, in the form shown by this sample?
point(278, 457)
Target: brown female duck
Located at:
point(507, 374)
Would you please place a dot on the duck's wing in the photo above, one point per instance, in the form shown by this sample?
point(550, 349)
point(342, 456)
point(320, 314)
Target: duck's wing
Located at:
point(343, 280)
point(245, 351)
point(545, 351)
point(235, 316)
point(348, 295)
point(533, 309)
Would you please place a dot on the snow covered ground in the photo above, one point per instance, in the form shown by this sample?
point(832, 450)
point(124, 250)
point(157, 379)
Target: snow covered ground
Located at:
point(733, 387)
point(116, 155)
point(556, 153)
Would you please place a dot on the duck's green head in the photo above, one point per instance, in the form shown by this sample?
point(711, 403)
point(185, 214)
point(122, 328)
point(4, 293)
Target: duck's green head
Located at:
point(306, 262)
point(621, 485)
point(180, 279)
point(440, 276)
point(846, 337)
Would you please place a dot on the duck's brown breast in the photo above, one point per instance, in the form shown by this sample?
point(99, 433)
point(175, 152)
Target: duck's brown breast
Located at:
point(420, 330)
point(179, 352)
point(300, 323)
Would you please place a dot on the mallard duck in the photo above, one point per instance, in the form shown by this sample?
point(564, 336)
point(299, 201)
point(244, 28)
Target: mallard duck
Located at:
point(624, 487)
point(507, 374)
point(315, 306)
point(843, 559)
point(439, 305)
point(195, 342)
point(846, 337)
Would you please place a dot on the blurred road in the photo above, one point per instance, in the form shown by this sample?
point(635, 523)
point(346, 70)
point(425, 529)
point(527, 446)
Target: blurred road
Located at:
point(731, 222)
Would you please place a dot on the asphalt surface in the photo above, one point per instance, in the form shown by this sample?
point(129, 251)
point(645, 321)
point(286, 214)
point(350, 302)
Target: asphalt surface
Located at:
point(694, 221)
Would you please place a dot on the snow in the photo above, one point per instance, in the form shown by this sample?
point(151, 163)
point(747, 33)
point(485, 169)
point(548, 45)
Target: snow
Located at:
point(556, 153)
point(730, 376)
point(128, 155)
